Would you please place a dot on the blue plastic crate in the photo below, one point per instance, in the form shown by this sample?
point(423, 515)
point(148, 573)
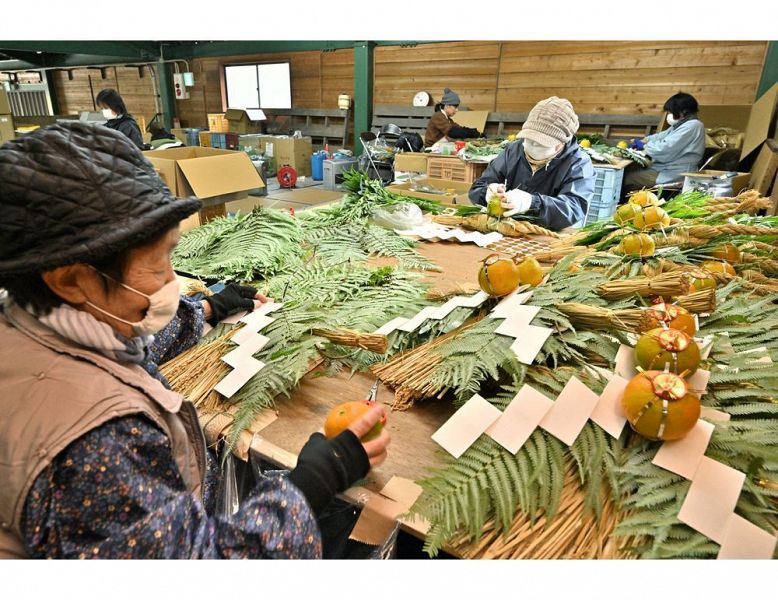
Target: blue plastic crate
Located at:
point(607, 189)
point(192, 135)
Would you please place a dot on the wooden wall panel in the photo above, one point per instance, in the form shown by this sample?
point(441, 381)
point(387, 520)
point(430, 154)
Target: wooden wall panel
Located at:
point(622, 77)
point(627, 77)
point(468, 68)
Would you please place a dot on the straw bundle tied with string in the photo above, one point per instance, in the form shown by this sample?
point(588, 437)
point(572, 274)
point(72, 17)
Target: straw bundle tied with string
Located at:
point(664, 285)
point(410, 372)
point(484, 223)
point(375, 342)
point(702, 302)
point(595, 317)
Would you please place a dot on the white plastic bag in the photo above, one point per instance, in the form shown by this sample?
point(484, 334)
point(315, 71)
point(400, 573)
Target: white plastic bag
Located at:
point(404, 215)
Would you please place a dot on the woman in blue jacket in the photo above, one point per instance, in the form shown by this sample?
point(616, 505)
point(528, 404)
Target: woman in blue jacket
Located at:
point(678, 149)
point(544, 174)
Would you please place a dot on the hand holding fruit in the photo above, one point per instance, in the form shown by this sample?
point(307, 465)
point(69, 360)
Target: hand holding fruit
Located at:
point(364, 419)
point(515, 202)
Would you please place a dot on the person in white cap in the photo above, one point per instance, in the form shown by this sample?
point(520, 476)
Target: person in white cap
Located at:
point(544, 174)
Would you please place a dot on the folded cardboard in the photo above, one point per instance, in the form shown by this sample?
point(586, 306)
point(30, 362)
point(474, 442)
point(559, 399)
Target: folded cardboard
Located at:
point(453, 192)
point(411, 161)
point(244, 120)
point(765, 167)
point(5, 103)
point(733, 116)
point(213, 175)
point(6, 128)
point(760, 121)
point(739, 181)
point(282, 150)
point(472, 118)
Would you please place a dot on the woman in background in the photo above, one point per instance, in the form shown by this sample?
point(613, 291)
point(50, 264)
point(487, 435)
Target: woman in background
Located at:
point(114, 110)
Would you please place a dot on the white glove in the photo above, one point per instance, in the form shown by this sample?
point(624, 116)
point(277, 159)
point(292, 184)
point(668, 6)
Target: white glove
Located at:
point(516, 202)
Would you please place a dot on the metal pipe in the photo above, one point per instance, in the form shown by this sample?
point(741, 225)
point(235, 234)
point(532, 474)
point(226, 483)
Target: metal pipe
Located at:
point(97, 66)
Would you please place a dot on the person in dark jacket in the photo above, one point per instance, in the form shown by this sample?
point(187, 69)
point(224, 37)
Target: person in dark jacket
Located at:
point(544, 174)
point(441, 122)
point(115, 112)
point(98, 457)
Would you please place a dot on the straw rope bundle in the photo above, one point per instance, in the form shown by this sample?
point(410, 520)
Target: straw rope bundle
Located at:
point(679, 237)
point(766, 265)
point(711, 231)
point(595, 317)
point(555, 254)
point(484, 223)
point(196, 372)
point(574, 532)
point(410, 372)
point(702, 302)
point(348, 337)
point(665, 285)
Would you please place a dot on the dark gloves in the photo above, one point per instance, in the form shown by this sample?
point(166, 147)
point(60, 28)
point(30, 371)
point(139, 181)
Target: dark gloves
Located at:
point(636, 144)
point(231, 299)
point(327, 467)
point(462, 133)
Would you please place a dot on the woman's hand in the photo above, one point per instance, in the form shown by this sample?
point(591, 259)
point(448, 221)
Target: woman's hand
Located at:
point(376, 449)
point(515, 202)
point(231, 299)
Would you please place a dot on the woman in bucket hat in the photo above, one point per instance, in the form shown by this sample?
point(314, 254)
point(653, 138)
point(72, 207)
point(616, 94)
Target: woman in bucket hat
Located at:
point(98, 457)
point(544, 174)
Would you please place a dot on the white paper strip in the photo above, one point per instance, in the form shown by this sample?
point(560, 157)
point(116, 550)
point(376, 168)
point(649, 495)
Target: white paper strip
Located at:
point(249, 348)
point(520, 418)
point(232, 319)
point(683, 456)
point(516, 324)
point(705, 344)
point(389, 327)
point(570, 412)
point(744, 540)
point(527, 346)
point(608, 413)
point(698, 383)
point(433, 232)
point(466, 425)
point(711, 499)
point(711, 414)
point(237, 378)
point(419, 318)
point(625, 362)
point(256, 321)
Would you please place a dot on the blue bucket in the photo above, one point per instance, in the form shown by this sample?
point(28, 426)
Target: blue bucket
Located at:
point(317, 165)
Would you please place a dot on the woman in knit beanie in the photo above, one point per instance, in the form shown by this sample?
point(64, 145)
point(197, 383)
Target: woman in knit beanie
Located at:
point(441, 122)
point(543, 174)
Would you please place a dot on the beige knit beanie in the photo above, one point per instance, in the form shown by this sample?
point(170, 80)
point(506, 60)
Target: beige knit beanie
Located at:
point(550, 122)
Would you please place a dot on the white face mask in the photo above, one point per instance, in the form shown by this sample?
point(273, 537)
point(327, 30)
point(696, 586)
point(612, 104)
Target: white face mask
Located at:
point(163, 305)
point(671, 120)
point(109, 114)
point(538, 151)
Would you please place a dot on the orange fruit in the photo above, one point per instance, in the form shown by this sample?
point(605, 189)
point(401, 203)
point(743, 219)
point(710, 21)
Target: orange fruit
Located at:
point(651, 217)
point(714, 266)
point(700, 280)
point(498, 276)
point(727, 252)
point(530, 271)
point(675, 317)
point(637, 244)
point(671, 348)
point(644, 198)
point(659, 406)
point(626, 213)
point(340, 417)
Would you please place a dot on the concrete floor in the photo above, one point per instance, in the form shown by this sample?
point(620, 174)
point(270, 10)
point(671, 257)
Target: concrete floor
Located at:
point(299, 198)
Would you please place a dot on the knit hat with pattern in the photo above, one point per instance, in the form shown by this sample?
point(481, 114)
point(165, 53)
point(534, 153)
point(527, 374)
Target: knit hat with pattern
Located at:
point(550, 122)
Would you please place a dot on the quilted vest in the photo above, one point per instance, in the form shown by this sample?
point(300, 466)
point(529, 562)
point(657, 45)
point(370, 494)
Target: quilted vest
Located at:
point(55, 391)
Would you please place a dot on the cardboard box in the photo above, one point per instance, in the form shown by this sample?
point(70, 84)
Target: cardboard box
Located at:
point(733, 116)
point(765, 167)
point(411, 161)
point(5, 103)
point(212, 175)
point(6, 128)
point(472, 118)
point(739, 182)
point(244, 121)
point(760, 121)
point(217, 122)
point(295, 152)
point(456, 191)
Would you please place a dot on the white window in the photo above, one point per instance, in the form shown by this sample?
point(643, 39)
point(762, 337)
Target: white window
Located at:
point(262, 85)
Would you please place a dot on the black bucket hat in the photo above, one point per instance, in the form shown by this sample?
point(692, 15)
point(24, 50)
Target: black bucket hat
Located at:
point(77, 192)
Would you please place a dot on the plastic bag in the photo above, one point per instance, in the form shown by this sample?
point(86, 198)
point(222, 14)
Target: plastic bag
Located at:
point(404, 215)
point(227, 498)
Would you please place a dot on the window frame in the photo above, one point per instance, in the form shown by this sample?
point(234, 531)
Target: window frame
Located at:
point(225, 96)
